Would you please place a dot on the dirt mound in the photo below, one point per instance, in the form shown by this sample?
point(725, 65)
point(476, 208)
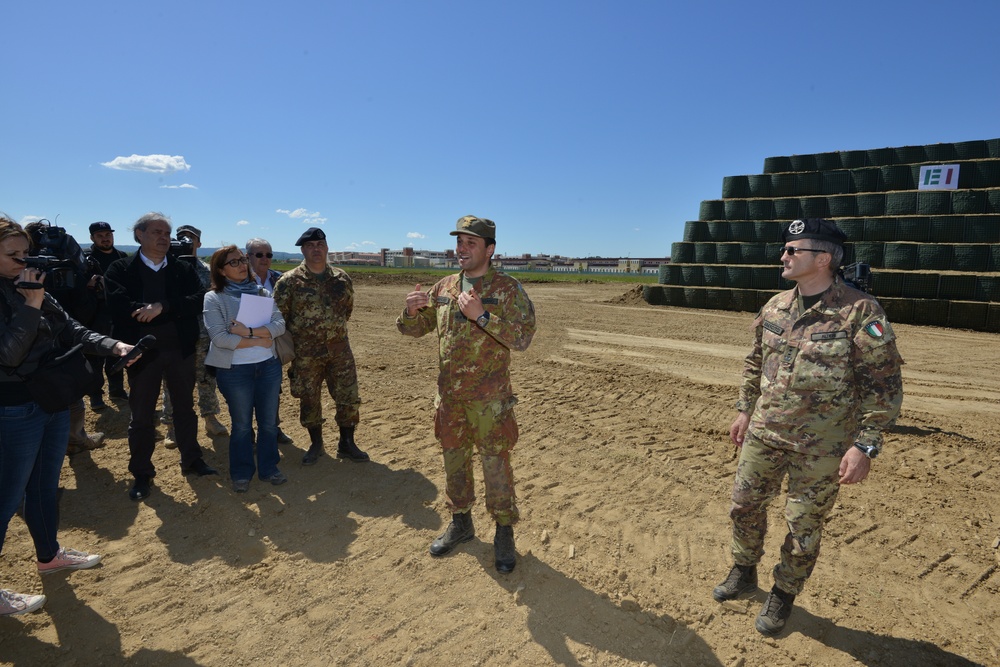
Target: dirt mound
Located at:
point(633, 297)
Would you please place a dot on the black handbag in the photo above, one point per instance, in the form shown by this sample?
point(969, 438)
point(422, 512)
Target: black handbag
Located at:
point(62, 380)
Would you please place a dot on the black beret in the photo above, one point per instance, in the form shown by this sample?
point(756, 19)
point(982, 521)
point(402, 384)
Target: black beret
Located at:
point(813, 228)
point(311, 234)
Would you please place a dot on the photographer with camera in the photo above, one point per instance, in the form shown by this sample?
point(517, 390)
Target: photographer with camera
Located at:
point(62, 259)
point(41, 353)
point(101, 255)
point(154, 293)
point(187, 245)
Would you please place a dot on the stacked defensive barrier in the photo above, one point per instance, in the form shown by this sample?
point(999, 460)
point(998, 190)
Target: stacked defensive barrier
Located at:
point(935, 254)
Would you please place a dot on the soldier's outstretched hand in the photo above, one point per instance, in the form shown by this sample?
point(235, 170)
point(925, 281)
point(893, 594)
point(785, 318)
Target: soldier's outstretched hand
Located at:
point(416, 300)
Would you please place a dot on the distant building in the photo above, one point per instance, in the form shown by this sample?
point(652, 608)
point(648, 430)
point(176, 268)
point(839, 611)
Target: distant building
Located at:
point(408, 257)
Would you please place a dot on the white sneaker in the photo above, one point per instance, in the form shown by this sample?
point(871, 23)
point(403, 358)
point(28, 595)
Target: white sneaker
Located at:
point(69, 559)
point(15, 604)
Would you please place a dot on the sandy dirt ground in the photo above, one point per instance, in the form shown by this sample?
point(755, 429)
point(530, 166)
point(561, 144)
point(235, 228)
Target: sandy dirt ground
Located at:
point(624, 470)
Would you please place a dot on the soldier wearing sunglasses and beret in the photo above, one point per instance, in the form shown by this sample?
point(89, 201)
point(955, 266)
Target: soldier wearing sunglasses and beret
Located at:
point(820, 386)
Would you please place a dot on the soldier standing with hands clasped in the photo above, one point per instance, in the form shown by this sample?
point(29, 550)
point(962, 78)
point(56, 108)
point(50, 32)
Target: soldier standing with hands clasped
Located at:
point(317, 301)
point(480, 315)
point(820, 385)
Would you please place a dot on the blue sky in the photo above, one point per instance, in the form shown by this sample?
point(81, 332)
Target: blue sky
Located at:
point(581, 128)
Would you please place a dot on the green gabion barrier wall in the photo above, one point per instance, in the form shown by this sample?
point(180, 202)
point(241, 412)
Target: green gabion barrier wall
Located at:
point(935, 254)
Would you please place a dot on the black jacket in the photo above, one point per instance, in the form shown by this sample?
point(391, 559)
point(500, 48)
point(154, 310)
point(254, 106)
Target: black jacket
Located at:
point(29, 335)
point(182, 305)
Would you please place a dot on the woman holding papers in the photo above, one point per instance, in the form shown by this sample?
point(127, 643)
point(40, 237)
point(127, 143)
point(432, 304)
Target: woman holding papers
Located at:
point(242, 322)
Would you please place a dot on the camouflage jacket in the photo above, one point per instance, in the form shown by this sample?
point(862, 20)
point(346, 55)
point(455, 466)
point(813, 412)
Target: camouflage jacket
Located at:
point(316, 307)
point(474, 362)
point(204, 272)
point(818, 381)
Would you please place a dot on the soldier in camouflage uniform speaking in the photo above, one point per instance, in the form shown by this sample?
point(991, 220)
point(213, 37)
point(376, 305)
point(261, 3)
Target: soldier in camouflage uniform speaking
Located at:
point(480, 316)
point(317, 301)
point(820, 385)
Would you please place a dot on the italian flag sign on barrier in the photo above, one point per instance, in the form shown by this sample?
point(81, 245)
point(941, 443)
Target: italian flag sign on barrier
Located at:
point(938, 177)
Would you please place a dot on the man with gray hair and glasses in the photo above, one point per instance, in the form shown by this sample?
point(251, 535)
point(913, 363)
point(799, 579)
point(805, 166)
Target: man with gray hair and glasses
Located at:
point(260, 255)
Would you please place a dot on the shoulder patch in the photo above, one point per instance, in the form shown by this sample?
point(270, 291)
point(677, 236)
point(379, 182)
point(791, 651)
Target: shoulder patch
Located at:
point(875, 329)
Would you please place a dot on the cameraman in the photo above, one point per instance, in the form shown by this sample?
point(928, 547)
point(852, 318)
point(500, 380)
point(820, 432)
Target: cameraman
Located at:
point(100, 256)
point(67, 282)
point(208, 402)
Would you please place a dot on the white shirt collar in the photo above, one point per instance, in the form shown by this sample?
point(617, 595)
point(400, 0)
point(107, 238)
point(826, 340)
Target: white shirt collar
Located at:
point(148, 262)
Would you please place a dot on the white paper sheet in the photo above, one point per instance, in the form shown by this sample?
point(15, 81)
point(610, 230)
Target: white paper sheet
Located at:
point(255, 311)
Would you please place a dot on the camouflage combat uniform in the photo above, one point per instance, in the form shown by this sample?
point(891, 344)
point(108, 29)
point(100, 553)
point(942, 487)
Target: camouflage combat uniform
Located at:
point(815, 383)
point(316, 309)
point(475, 402)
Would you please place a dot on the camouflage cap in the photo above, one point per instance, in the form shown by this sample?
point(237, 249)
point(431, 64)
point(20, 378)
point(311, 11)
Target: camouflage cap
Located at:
point(481, 227)
point(813, 228)
point(189, 229)
point(311, 234)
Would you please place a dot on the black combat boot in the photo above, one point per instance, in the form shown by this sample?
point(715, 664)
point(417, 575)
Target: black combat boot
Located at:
point(742, 579)
point(315, 446)
point(459, 530)
point(347, 448)
point(776, 610)
point(504, 553)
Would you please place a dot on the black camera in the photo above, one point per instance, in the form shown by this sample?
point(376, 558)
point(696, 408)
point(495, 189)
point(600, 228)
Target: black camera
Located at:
point(182, 249)
point(858, 276)
point(57, 254)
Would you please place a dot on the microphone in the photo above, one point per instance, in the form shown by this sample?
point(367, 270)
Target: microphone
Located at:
point(144, 344)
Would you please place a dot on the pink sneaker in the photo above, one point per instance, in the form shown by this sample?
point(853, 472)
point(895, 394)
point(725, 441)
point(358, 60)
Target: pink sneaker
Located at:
point(15, 604)
point(69, 559)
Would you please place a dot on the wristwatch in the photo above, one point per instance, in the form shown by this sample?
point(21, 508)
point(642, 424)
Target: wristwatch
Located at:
point(483, 319)
point(871, 451)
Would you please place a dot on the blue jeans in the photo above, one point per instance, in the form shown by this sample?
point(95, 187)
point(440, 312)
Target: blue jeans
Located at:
point(32, 449)
point(249, 389)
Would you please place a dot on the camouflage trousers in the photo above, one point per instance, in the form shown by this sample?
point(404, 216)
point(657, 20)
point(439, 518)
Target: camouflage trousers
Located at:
point(208, 400)
point(491, 427)
point(306, 376)
point(812, 489)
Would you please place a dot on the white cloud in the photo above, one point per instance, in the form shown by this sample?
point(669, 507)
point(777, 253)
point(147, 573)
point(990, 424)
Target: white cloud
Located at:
point(28, 219)
point(352, 246)
point(182, 186)
point(241, 223)
point(371, 243)
point(305, 215)
point(415, 235)
point(157, 164)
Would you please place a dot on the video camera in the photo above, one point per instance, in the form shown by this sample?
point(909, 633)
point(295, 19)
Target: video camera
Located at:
point(182, 249)
point(858, 275)
point(57, 254)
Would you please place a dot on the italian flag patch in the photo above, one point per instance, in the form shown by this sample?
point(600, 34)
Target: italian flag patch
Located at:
point(875, 329)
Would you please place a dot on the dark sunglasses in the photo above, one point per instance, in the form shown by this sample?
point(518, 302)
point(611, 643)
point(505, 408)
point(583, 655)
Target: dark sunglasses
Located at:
point(236, 262)
point(791, 251)
point(259, 255)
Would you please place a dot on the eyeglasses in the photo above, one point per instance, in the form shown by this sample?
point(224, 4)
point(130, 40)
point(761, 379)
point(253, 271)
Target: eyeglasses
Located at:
point(260, 255)
point(791, 251)
point(236, 262)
